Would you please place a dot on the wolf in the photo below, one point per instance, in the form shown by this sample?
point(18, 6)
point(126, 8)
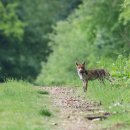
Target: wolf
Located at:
point(85, 75)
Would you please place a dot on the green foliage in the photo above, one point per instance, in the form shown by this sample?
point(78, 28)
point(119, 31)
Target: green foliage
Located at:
point(45, 112)
point(125, 15)
point(119, 67)
point(23, 34)
point(35, 43)
point(10, 28)
point(92, 33)
point(10, 25)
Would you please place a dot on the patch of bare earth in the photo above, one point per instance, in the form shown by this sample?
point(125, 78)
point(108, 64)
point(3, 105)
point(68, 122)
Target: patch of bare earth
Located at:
point(73, 109)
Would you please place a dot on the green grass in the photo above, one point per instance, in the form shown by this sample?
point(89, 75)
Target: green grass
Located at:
point(115, 99)
point(45, 112)
point(23, 108)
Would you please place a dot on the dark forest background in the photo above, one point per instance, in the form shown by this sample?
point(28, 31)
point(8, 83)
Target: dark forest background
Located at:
point(24, 28)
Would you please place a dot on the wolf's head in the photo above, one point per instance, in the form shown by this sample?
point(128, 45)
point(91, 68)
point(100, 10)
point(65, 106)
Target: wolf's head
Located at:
point(80, 67)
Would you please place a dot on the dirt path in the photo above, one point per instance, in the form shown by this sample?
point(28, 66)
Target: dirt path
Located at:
point(73, 109)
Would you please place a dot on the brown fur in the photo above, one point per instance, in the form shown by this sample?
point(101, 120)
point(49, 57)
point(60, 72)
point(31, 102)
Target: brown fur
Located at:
point(86, 75)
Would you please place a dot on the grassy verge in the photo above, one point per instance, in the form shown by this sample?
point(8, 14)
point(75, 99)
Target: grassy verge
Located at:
point(23, 107)
point(116, 100)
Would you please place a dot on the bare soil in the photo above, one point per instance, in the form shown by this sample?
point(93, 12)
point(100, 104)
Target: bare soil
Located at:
point(73, 109)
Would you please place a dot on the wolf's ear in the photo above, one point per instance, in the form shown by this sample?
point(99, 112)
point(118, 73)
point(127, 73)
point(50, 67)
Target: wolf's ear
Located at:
point(76, 63)
point(84, 63)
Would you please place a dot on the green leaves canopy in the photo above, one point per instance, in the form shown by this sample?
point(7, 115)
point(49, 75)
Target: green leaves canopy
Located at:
point(10, 25)
point(24, 26)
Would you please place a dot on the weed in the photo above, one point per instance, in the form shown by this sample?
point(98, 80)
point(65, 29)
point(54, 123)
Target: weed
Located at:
point(45, 112)
point(43, 92)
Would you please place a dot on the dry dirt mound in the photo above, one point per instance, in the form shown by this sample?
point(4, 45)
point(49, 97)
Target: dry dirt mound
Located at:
point(73, 109)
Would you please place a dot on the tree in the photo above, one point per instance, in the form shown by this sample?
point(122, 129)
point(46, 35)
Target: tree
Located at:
point(10, 28)
point(40, 16)
point(24, 28)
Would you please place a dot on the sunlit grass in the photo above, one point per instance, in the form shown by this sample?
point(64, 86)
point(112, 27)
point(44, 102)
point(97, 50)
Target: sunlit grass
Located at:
point(23, 108)
point(115, 99)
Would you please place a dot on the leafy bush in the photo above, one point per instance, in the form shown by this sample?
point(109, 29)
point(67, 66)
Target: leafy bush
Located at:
point(23, 36)
point(125, 15)
point(10, 25)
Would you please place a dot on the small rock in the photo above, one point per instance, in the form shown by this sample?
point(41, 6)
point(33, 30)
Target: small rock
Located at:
point(68, 116)
point(54, 124)
point(98, 119)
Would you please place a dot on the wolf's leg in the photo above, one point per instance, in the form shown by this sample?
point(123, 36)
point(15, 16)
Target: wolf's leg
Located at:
point(101, 75)
point(101, 80)
point(85, 85)
point(110, 79)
